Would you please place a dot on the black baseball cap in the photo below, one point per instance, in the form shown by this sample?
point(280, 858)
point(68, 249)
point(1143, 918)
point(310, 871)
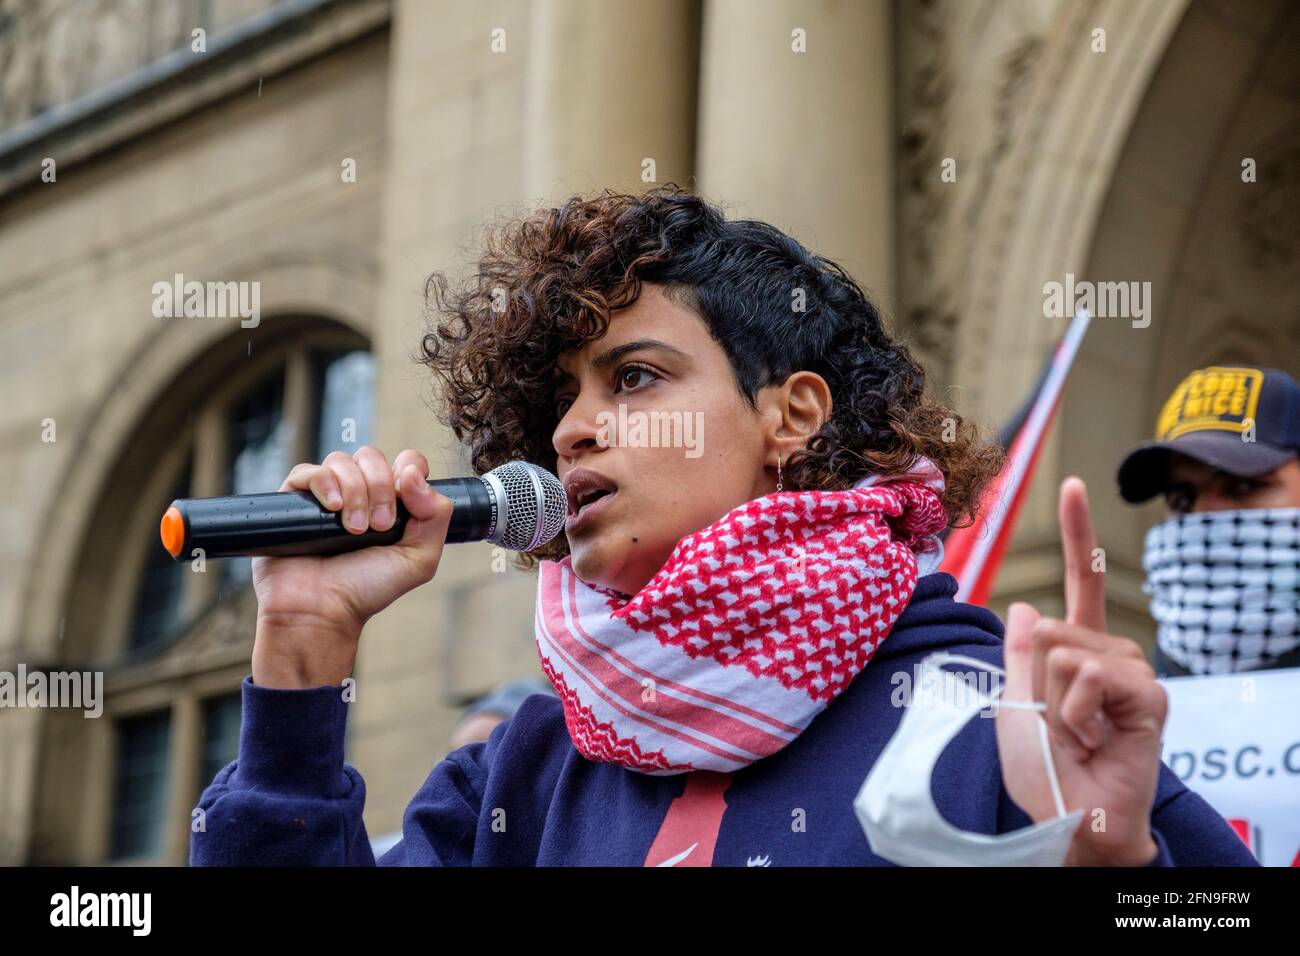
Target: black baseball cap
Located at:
point(1236, 418)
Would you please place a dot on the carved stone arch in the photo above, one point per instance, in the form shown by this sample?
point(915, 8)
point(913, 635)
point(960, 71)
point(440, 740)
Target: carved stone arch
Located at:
point(1171, 215)
point(68, 774)
point(1103, 170)
point(293, 290)
point(1047, 191)
point(1029, 214)
point(1230, 340)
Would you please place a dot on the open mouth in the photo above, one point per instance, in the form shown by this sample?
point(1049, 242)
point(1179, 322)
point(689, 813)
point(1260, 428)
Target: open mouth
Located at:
point(585, 487)
point(591, 496)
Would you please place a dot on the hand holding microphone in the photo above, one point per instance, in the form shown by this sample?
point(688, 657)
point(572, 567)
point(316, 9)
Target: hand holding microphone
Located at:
point(516, 505)
point(313, 596)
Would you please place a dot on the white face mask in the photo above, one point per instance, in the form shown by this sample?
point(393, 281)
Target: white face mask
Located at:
point(1223, 588)
point(895, 807)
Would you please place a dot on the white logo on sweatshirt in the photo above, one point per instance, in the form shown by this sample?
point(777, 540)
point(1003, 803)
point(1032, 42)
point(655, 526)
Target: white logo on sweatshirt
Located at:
point(674, 860)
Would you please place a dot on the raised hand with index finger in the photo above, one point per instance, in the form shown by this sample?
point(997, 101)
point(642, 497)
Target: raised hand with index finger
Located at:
point(1104, 710)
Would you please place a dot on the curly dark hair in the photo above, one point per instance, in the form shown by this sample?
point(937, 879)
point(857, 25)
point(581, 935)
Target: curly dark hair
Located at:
point(548, 281)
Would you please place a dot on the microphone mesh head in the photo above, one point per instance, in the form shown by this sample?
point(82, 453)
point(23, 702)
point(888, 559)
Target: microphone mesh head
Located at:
point(535, 506)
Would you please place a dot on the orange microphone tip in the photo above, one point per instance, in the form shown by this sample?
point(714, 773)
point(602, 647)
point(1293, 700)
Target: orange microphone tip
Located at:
point(173, 531)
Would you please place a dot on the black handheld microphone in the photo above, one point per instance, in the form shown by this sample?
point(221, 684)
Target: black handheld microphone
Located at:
point(518, 506)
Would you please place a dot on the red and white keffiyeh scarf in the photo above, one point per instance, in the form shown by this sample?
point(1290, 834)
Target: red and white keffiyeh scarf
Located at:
point(752, 627)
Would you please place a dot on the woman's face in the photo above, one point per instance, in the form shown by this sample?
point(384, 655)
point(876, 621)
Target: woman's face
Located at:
point(685, 449)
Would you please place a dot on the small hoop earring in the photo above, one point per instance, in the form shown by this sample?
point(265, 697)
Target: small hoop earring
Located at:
point(778, 472)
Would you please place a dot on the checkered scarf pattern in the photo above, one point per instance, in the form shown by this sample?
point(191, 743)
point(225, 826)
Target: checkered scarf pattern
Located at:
point(749, 630)
point(1225, 588)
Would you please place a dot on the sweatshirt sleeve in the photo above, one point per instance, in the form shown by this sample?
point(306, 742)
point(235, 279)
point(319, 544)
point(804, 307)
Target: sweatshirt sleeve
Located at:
point(290, 800)
point(1189, 832)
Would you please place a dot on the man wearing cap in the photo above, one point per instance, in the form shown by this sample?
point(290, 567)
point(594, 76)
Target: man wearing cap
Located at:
point(1223, 572)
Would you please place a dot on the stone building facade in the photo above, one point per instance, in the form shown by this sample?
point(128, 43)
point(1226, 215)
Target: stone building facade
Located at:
point(955, 156)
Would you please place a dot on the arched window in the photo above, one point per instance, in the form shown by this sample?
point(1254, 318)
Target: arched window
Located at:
point(174, 638)
point(306, 403)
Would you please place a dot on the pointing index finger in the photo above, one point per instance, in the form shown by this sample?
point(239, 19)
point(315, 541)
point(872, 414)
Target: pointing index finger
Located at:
point(1085, 594)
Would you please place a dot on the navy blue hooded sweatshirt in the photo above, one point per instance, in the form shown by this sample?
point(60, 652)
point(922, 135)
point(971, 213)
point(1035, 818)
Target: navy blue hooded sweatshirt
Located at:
point(527, 797)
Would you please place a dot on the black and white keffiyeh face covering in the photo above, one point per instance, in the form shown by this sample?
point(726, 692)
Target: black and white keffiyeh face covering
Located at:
point(1225, 588)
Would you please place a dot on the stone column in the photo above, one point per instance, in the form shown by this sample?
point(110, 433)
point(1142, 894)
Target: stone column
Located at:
point(184, 757)
point(796, 125)
point(610, 95)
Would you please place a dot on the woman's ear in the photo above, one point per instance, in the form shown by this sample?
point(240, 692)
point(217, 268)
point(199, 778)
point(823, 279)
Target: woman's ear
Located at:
point(794, 412)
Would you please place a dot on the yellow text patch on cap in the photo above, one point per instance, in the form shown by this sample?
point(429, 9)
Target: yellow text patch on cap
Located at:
point(1216, 398)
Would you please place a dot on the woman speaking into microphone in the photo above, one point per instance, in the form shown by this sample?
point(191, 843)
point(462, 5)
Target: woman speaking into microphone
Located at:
point(743, 616)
